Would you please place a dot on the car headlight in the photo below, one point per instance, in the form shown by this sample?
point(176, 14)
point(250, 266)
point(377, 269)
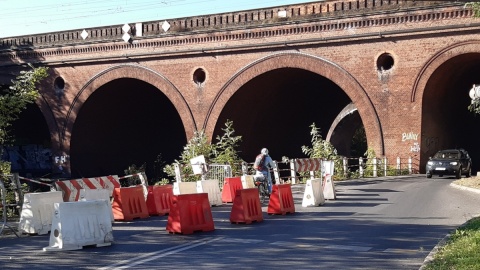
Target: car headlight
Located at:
point(430, 163)
point(454, 163)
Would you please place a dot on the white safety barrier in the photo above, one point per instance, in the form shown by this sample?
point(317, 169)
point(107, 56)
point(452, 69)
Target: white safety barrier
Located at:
point(97, 194)
point(79, 224)
point(247, 181)
point(212, 189)
point(328, 185)
point(313, 195)
point(184, 188)
point(37, 209)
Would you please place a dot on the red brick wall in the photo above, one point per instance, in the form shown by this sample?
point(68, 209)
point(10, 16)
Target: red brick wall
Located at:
point(339, 40)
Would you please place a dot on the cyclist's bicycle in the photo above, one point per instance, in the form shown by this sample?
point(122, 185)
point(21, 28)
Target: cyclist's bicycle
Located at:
point(262, 184)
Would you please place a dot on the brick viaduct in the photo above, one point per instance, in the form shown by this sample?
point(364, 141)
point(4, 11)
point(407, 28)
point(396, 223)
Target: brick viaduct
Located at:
point(400, 69)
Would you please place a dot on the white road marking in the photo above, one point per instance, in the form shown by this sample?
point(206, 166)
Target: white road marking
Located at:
point(159, 254)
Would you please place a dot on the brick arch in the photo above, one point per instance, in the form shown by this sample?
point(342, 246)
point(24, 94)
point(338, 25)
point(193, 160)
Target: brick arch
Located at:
point(437, 60)
point(311, 63)
point(134, 72)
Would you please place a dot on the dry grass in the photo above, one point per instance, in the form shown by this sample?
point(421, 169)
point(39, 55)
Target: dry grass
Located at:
point(471, 182)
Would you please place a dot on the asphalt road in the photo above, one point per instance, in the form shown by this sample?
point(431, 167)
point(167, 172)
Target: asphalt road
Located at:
point(389, 223)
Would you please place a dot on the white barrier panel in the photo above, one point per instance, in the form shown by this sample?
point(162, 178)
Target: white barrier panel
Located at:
point(313, 195)
point(247, 181)
point(328, 186)
point(37, 209)
point(212, 189)
point(79, 224)
point(96, 194)
point(184, 188)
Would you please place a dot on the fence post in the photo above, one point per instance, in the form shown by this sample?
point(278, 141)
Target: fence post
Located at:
point(374, 163)
point(276, 174)
point(292, 171)
point(399, 167)
point(385, 166)
point(345, 166)
point(409, 165)
point(360, 166)
point(178, 173)
point(244, 168)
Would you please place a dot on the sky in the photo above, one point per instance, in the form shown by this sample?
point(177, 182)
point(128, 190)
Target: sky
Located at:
point(26, 17)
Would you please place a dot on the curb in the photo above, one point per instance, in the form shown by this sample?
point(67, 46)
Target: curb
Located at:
point(465, 188)
point(442, 242)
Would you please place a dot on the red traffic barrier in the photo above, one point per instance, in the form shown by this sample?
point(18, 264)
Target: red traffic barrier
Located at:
point(159, 199)
point(281, 200)
point(129, 203)
point(246, 207)
point(190, 213)
point(230, 187)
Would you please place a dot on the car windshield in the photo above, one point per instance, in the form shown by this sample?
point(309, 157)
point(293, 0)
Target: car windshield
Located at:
point(447, 155)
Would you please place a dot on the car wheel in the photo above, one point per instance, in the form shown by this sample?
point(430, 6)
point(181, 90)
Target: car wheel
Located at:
point(429, 175)
point(459, 173)
point(469, 172)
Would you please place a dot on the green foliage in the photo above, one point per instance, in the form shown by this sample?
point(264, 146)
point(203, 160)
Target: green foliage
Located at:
point(323, 149)
point(198, 145)
point(13, 100)
point(16, 98)
point(134, 180)
point(475, 7)
point(359, 142)
point(225, 150)
point(320, 147)
point(461, 250)
point(163, 181)
point(475, 106)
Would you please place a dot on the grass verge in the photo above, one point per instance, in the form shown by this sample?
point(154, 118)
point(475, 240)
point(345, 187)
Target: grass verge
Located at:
point(461, 250)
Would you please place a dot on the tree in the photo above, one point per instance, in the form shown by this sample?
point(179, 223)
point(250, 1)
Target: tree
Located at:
point(225, 150)
point(322, 149)
point(14, 99)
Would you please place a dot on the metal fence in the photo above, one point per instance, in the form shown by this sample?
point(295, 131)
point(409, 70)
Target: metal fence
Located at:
point(219, 172)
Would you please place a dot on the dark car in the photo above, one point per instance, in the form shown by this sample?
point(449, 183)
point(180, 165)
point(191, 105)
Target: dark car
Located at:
point(450, 162)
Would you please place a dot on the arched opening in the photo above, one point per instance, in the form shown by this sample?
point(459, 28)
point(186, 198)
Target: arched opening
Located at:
point(30, 153)
point(446, 120)
point(125, 122)
point(275, 110)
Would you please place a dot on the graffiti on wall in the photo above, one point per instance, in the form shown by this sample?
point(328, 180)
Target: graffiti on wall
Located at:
point(28, 157)
point(410, 136)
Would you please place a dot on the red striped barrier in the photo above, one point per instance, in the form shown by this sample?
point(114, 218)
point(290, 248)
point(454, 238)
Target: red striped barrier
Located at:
point(71, 188)
point(246, 207)
point(308, 164)
point(281, 200)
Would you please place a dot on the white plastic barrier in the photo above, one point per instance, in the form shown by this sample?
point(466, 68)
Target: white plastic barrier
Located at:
point(212, 189)
point(313, 195)
point(37, 209)
point(184, 188)
point(247, 181)
point(96, 194)
point(79, 224)
point(328, 185)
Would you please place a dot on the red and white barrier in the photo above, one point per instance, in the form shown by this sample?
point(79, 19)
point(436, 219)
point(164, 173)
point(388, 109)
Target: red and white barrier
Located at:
point(35, 181)
point(71, 188)
point(305, 165)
